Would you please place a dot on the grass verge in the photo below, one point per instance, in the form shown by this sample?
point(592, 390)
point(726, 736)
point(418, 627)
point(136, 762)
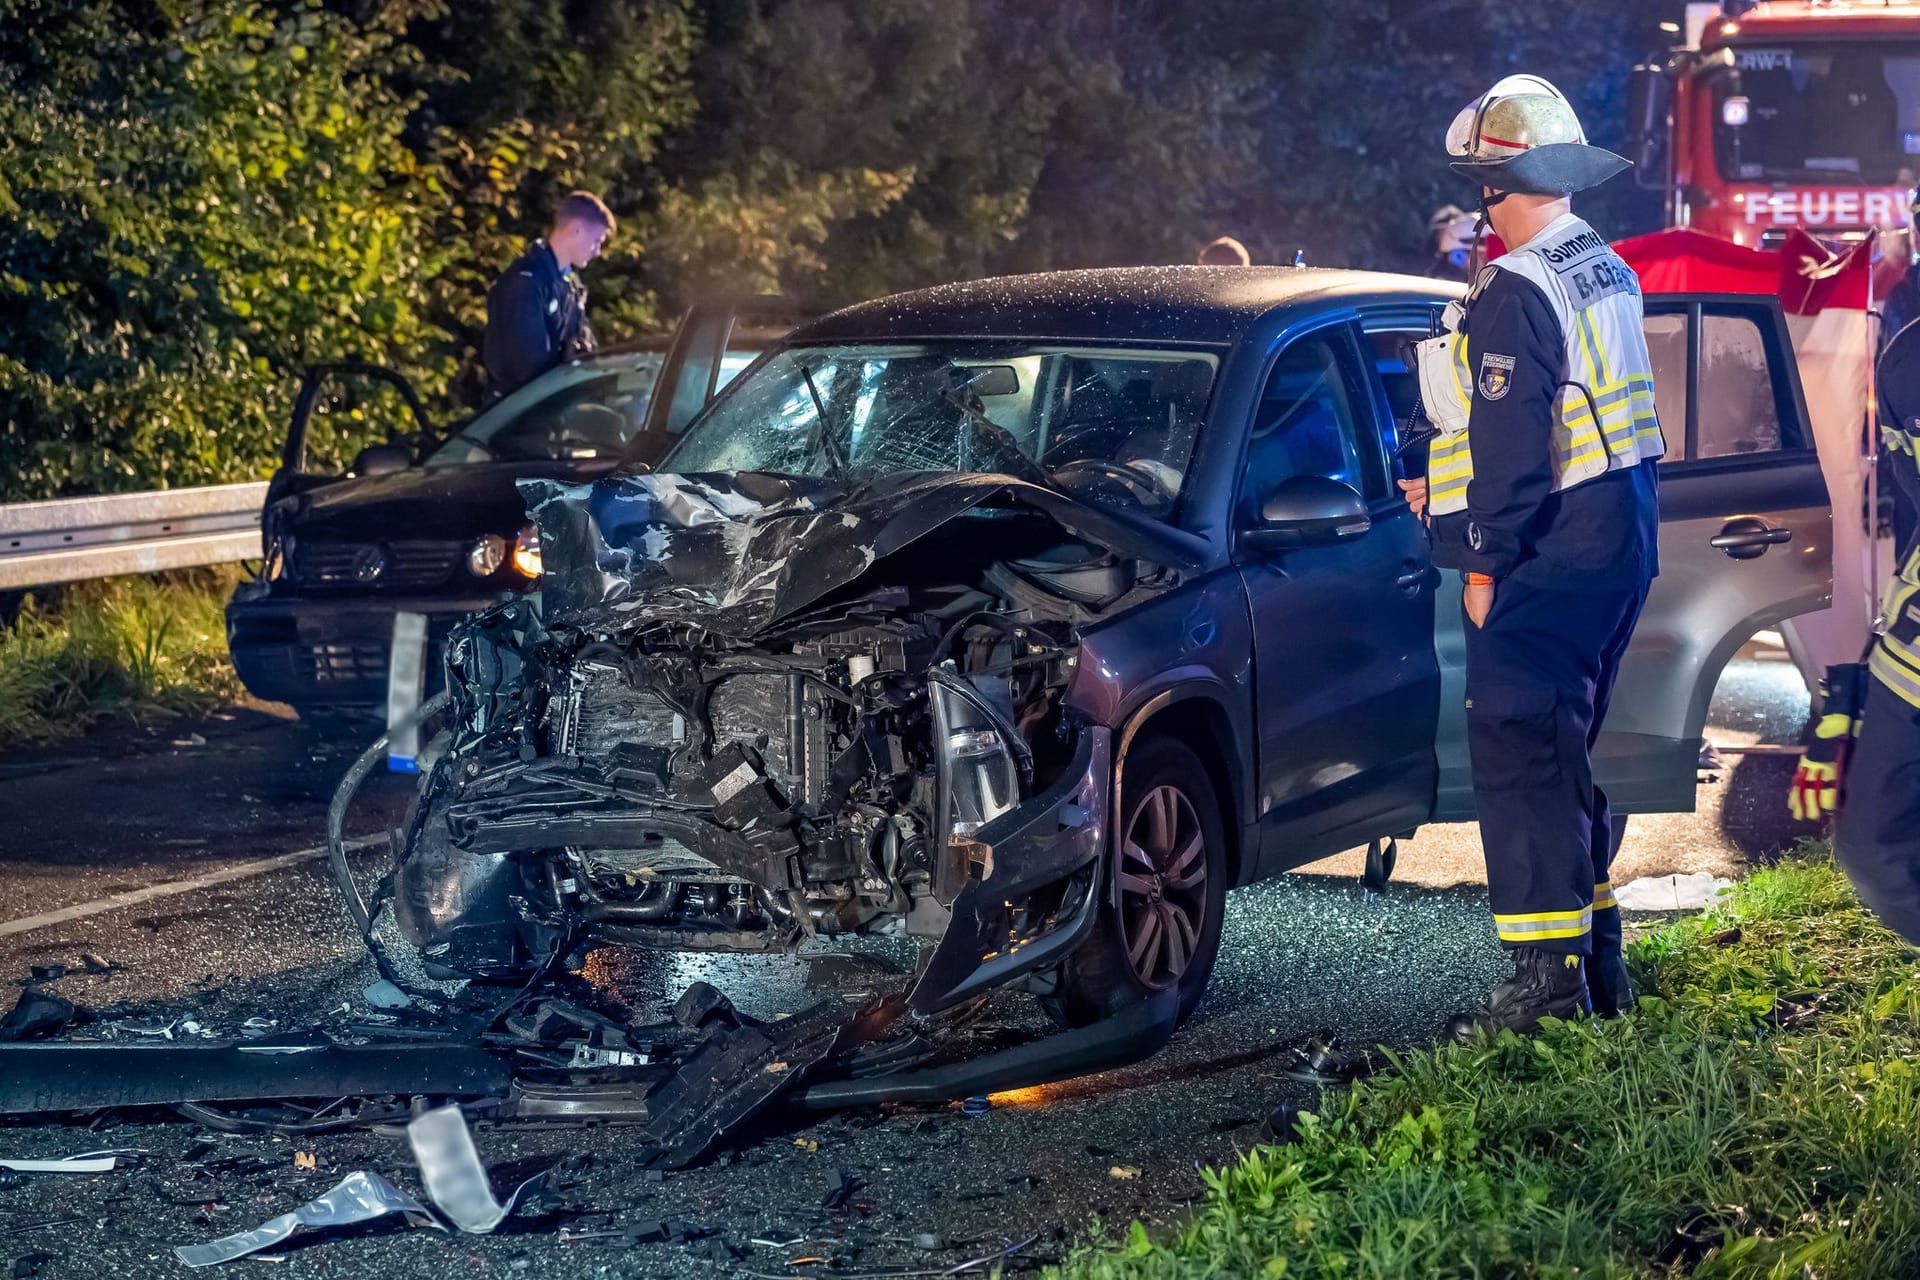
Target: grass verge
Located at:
point(1759, 1116)
point(135, 648)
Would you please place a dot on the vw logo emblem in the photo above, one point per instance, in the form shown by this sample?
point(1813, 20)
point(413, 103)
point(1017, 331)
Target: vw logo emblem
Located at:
point(369, 563)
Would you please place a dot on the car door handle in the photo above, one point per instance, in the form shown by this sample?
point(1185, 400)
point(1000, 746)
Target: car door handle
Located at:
point(1413, 579)
point(1748, 537)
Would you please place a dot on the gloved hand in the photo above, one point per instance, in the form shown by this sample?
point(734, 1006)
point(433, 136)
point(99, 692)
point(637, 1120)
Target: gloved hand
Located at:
point(1816, 783)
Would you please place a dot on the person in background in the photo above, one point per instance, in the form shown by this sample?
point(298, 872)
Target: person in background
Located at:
point(1865, 735)
point(537, 309)
point(1450, 236)
point(1225, 252)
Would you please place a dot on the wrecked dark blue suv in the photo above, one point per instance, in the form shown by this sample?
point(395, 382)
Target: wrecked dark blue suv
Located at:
point(1026, 617)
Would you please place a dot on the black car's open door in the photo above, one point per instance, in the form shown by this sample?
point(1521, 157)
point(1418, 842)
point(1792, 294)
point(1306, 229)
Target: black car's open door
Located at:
point(714, 341)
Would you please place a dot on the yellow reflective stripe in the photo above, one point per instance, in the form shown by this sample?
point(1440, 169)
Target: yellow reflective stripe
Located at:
point(1537, 917)
point(1603, 896)
point(1544, 931)
point(1899, 680)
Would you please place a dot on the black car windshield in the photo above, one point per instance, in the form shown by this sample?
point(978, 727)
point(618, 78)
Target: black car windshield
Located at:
point(1114, 424)
point(1825, 112)
point(588, 409)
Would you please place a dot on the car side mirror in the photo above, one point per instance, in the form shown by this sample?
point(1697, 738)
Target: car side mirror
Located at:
point(1308, 511)
point(382, 459)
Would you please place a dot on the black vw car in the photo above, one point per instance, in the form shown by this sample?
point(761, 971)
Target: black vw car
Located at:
point(428, 528)
point(1027, 617)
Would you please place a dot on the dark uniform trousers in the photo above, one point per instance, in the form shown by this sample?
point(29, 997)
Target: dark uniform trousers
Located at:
point(1539, 676)
point(1877, 835)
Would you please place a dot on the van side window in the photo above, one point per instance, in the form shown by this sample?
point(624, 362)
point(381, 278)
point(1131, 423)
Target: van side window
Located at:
point(1313, 419)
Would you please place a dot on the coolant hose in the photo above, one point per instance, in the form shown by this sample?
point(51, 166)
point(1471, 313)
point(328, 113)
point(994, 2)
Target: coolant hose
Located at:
point(343, 799)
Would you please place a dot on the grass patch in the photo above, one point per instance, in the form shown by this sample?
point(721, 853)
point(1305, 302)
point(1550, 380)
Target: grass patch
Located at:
point(135, 648)
point(1759, 1116)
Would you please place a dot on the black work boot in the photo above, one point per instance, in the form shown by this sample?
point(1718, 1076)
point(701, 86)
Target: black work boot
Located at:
point(1545, 984)
point(1607, 981)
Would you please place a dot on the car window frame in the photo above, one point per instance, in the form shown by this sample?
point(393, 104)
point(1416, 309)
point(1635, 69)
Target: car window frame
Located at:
point(1348, 349)
point(1790, 404)
point(1417, 320)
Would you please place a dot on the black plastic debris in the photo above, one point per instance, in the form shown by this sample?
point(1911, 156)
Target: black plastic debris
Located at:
point(1325, 1061)
point(29, 1264)
point(48, 972)
point(1282, 1125)
point(39, 1014)
point(703, 1005)
point(840, 1188)
point(95, 965)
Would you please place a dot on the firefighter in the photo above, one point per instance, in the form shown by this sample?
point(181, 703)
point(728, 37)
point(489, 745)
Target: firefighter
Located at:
point(1540, 489)
point(1451, 234)
point(1868, 729)
point(537, 309)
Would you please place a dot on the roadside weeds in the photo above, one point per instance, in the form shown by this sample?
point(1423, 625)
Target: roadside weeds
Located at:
point(1758, 1116)
point(140, 648)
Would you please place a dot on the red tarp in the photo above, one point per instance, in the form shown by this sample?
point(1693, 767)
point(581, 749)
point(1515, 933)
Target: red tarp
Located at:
point(1806, 276)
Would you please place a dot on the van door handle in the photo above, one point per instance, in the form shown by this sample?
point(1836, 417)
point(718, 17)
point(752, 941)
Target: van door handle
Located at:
point(1748, 537)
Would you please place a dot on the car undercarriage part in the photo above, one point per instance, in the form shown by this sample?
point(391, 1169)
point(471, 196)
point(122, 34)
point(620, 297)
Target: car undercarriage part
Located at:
point(77, 1076)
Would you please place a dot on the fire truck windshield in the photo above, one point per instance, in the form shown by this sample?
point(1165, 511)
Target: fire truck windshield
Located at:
point(1836, 112)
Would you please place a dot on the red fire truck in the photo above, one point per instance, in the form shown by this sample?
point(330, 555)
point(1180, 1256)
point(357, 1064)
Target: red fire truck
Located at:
point(1782, 114)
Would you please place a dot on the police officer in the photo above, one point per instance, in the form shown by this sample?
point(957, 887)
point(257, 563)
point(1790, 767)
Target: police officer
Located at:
point(1540, 489)
point(537, 310)
point(1869, 725)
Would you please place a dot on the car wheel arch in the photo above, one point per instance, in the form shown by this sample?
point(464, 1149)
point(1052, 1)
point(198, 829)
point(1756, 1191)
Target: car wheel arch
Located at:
point(1197, 717)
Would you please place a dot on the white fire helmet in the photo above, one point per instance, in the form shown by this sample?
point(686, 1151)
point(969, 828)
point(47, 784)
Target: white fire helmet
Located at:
point(1522, 135)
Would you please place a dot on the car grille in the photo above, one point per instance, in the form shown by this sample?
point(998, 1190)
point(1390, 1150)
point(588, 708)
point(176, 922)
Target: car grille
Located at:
point(401, 565)
point(336, 663)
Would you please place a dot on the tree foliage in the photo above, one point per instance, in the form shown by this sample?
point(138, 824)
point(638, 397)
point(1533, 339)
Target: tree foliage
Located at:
point(198, 198)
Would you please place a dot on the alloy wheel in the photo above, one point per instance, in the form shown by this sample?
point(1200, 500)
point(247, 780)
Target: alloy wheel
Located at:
point(1163, 887)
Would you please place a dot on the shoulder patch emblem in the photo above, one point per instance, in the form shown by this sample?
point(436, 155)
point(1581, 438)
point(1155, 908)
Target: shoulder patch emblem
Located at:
point(1496, 375)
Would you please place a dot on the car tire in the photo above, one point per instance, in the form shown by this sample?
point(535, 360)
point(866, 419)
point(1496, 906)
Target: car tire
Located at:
point(1162, 928)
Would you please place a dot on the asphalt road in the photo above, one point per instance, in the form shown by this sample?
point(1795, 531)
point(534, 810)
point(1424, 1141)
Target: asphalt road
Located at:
point(127, 812)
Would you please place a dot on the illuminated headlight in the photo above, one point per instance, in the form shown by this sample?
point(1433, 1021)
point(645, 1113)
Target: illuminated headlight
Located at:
point(486, 555)
point(526, 552)
point(1733, 112)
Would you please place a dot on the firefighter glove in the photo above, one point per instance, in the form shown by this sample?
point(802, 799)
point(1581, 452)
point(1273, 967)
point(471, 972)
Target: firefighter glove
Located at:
point(1816, 783)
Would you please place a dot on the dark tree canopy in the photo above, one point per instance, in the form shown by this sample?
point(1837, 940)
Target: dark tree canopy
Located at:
point(198, 198)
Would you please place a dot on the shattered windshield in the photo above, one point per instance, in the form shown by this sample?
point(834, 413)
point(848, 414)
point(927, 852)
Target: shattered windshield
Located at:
point(1115, 425)
point(1838, 113)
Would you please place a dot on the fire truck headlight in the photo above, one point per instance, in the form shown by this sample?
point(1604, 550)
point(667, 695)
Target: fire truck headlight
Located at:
point(1733, 112)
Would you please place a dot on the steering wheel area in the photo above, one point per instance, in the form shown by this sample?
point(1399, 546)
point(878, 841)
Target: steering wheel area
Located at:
point(1145, 487)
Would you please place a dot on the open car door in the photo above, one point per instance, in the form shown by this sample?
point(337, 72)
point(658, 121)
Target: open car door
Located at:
point(1746, 542)
point(714, 342)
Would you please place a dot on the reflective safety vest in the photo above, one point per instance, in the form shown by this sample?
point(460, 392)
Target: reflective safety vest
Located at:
point(1895, 658)
point(1603, 414)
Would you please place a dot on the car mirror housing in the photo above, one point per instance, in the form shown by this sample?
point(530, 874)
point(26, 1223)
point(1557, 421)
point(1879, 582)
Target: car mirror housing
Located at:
point(382, 459)
point(1308, 511)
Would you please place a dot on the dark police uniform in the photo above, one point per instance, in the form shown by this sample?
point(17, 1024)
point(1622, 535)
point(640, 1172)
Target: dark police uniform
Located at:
point(1550, 490)
point(536, 318)
point(1877, 834)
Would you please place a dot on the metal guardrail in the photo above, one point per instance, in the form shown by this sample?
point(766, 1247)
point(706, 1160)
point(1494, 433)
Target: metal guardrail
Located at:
point(68, 539)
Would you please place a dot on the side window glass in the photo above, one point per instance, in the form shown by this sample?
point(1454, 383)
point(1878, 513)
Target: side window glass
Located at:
point(1311, 420)
point(1667, 345)
point(1738, 412)
point(1391, 353)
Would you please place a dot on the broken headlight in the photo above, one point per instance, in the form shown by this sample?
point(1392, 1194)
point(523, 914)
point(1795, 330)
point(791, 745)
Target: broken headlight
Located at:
point(977, 776)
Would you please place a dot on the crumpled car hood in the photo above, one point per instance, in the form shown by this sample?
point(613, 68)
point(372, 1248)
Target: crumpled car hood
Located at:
point(737, 552)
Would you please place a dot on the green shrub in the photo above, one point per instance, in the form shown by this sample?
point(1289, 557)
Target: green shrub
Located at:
point(1758, 1116)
